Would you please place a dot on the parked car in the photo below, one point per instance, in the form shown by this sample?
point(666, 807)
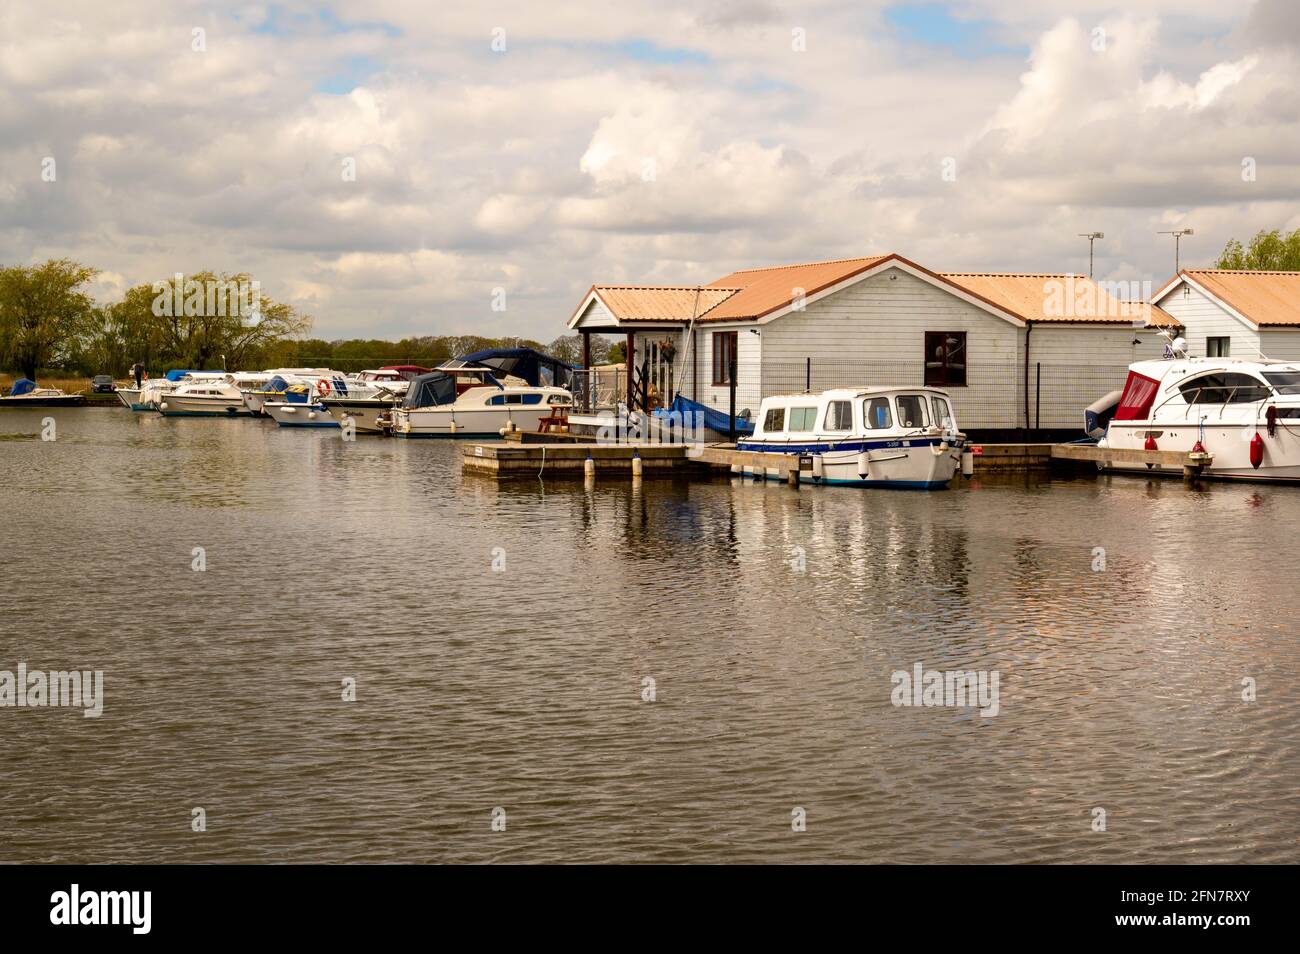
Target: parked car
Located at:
point(102, 384)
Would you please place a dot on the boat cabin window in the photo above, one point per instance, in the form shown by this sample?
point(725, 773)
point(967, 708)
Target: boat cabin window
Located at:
point(876, 415)
point(839, 416)
point(942, 413)
point(1223, 387)
point(911, 410)
point(774, 420)
point(803, 418)
point(498, 399)
point(1286, 382)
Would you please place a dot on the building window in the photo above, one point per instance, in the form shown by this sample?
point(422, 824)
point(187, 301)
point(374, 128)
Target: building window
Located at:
point(945, 358)
point(1218, 347)
point(724, 352)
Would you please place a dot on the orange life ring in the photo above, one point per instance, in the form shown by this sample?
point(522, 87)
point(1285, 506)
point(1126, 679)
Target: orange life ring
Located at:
point(323, 387)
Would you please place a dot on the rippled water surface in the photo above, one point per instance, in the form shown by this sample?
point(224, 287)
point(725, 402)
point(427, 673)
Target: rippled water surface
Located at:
point(1119, 688)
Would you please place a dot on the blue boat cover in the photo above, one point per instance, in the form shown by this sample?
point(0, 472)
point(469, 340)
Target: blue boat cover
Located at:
point(175, 374)
point(713, 420)
point(539, 370)
point(22, 386)
point(277, 383)
point(431, 390)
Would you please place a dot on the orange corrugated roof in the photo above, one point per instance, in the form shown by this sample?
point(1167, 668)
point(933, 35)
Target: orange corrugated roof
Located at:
point(659, 302)
point(1266, 298)
point(1039, 296)
point(765, 290)
point(1157, 317)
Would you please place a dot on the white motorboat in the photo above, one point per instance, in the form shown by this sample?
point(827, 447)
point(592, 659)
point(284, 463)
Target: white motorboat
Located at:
point(203, 398)
point(25, 393)
point(1244, 414)
point(278, 380)
point(300, 407)
point(483, 394)
point(369, 396)
point(900, 437)
point(150, 393)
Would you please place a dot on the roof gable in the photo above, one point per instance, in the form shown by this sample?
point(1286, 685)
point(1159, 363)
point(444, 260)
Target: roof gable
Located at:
point(1262, 299)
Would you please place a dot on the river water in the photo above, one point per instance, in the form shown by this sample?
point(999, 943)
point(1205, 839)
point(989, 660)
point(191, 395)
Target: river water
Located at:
point(502, 638)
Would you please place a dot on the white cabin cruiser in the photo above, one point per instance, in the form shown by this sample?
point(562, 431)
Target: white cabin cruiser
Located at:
point(369, 396)
point(903, 437)
point(1245, 414)
point(203, 398)
point(483, 394)
point(278, 380)
point(149, 394)
point(301, 407)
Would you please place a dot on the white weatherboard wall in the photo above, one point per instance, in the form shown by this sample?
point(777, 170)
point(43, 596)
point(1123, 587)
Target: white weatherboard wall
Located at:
point(1202, 317)
point(873, 333)
point(1282, 344)
point(596, 315)
point(1080, 363)
point(749, 354)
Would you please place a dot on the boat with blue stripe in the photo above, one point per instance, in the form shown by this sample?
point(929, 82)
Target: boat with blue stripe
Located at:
point(893, 437)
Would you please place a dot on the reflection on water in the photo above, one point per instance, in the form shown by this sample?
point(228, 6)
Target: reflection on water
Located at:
point(769, 619)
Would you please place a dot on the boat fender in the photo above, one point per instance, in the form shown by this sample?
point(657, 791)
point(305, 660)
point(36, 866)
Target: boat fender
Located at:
point(452, 427)
point(967, 464)
point(938, 450)
point(864, 465)
point(311, 415)
point(636, 463)
point(162, 406)
point(819, 467)
point(502, 431)
point(1256, 451)
point(589, 466)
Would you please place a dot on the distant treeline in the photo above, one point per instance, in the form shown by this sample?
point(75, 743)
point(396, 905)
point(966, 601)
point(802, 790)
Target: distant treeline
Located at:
point(205, 321)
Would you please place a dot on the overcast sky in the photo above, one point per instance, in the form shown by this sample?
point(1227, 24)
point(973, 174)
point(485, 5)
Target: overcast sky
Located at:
point(661, 142)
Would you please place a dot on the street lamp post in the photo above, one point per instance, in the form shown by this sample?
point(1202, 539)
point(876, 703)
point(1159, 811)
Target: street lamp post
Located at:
point(1178, 235)
point(1091, 237)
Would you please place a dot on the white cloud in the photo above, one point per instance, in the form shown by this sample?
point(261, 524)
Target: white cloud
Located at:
point(595, 149)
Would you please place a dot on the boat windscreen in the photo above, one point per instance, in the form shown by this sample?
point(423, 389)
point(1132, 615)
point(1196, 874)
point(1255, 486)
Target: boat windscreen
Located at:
point(431, 390)
point(1286, 382)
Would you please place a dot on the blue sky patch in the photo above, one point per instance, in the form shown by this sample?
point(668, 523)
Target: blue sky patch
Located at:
point(934, 25)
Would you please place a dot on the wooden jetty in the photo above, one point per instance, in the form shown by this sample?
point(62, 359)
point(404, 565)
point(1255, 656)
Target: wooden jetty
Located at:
point(520, 458)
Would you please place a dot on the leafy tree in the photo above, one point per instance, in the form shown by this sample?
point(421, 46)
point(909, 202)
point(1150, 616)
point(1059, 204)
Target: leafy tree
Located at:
point(45, 315)
point(211, 321)
point(1275, 251)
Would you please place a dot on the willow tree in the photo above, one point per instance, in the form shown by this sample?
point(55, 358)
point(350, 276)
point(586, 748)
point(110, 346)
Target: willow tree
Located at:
point(45, 313)
point(204, 320)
